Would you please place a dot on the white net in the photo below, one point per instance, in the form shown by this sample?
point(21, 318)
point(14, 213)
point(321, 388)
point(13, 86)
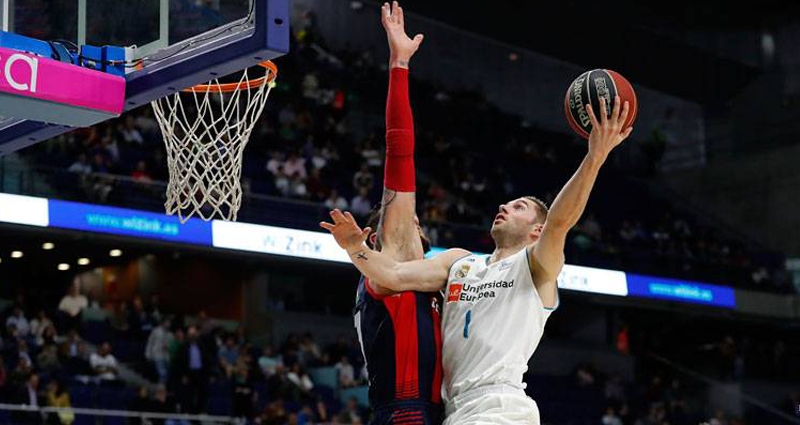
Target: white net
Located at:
point(205, 131)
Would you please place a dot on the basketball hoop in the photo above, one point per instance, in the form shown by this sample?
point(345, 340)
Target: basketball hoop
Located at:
point(205, 140)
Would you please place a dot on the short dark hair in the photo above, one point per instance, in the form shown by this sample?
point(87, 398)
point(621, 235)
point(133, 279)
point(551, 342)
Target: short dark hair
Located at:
point(541, 217)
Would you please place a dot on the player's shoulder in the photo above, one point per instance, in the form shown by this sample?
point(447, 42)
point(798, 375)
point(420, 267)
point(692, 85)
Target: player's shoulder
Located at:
point(450, 256)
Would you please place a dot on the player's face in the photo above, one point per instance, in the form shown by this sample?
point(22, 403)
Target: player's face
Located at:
point(515, 217)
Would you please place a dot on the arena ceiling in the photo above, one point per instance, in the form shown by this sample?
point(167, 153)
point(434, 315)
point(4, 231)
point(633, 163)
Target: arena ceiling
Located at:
point(615, 35)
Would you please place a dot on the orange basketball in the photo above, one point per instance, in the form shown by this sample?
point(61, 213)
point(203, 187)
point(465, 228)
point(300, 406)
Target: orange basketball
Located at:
point(589, 88)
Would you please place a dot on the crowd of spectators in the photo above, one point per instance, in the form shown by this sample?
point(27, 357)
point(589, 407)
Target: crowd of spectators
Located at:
point(319, 142)
point(62, 352)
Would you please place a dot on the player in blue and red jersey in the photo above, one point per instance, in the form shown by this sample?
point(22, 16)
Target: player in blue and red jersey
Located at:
point(400, 333)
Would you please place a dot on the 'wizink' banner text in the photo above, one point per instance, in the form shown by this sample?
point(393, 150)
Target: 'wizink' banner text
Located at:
point(119, 221)
point(679, 290)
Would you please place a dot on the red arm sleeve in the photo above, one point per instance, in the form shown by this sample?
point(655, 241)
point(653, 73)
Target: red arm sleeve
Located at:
point(400, 174)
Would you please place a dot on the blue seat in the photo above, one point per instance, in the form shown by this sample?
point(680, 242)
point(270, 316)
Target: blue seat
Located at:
point(327, 376)
point(360, 393)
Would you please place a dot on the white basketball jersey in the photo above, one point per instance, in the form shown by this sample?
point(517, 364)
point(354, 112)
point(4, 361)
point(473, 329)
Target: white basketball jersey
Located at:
point(493, 320)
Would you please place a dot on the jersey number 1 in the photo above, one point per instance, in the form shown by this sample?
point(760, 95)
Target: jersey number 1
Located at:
point(467, 319)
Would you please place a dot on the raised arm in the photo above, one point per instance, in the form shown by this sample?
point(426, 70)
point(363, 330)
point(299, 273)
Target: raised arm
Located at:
point(418, 275)
point(547, 255)
point(397, 230)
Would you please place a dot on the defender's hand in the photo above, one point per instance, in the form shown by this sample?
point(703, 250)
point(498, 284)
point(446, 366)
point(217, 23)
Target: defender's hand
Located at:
point(346, 231)
point(401, 47)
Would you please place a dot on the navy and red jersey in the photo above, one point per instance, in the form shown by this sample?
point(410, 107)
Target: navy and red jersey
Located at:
point(401, 339)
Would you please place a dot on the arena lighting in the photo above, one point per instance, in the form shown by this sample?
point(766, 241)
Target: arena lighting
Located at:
point(47, 246)
point(63, 267)
point(83, 261)
point(16, 254)
point(115, 253)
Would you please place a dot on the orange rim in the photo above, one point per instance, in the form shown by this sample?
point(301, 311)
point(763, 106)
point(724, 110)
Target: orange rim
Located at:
point(272, 73)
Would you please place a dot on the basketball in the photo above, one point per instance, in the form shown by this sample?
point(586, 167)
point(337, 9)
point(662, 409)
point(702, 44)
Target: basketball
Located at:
point(591, 86)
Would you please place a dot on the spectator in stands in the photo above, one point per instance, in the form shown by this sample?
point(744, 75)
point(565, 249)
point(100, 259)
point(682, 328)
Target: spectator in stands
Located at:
point(104, 364)
point(58, 396)
point(38, 326)
point(73, 304)
point(611, 418)
point(346, 373)
point(301, 381)
point(243, 394)
point(370, 154)
point(352, 413)
point(295, 166)
point(130, 134)
point(140, 404)
point(205, 325)
point(19, 322)
point(268, 362)
point(363, 178)
point(297, 188)
point(120, 319)
point(48, 361)
point(22, 352)
point(360, 205)
point(140, 174)
point(275, 163)
point(21, 373)
point(334, 201)
point(228, 354)
point(77, 364)
point(192, 367)
point(162, 403)
point(309, 352)
point(139, 319)
point(28, 395)
point(157, 349)
point(81, 165)
point(317, 187)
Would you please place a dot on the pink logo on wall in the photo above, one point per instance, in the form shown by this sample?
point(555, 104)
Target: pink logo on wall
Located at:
point(43, 78)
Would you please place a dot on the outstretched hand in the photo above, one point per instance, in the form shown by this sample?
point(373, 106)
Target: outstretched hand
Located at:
point(345, 230)
point(607, 133)
point(401, 46)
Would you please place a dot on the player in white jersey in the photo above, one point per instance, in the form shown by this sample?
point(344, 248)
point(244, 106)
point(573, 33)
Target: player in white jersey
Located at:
point(496, 306)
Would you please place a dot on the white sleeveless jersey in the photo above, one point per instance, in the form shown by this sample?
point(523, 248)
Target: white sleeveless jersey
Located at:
point(493, 320)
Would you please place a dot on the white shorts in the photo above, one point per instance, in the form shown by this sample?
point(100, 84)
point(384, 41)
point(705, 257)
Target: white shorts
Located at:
point(492, 405)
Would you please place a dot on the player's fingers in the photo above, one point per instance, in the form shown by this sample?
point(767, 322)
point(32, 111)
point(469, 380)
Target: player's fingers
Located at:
point(349, 217)
point(623, 118)
point(327, 226)
point(385, 13)
point(592, 116)
point(400, 18)
point(617, 109)
point(627, 133)
point(365, 233)
point(337, 216)
point(418, 39)
point(603, 112)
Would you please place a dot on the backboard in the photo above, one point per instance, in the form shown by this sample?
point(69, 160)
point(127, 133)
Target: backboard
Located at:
point(176, 43)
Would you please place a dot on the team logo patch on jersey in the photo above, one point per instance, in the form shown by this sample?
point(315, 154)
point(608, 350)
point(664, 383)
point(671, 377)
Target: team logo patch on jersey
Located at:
point(463, 271)
point(454, 293)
